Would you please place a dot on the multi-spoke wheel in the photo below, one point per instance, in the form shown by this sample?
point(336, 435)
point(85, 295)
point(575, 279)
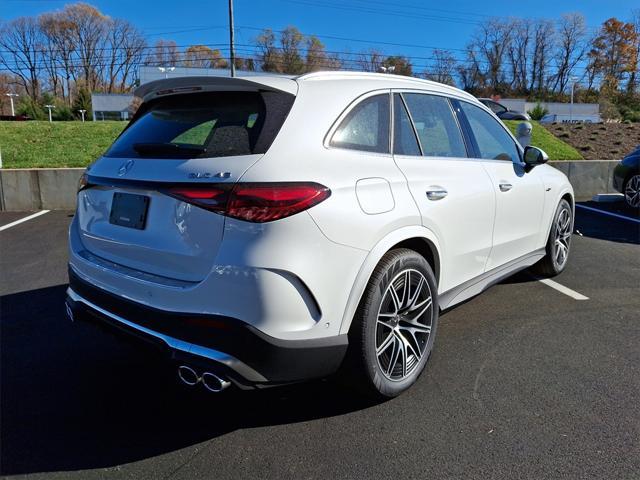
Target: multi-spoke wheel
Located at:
point(559, 242)
point(404, 324)
point(562, 237)
point(632, 191)
point(392, 334)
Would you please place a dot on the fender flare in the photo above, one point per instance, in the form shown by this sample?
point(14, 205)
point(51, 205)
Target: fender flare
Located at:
point(374, 257)
point(566, 189)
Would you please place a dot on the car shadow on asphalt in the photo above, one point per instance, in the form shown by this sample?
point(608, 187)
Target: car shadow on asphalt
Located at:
point(597, 225)
point(75, 398)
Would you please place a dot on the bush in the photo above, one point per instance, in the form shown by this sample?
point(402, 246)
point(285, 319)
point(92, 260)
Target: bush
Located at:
point(30, 108)
point(537, 112)
point(62, 113)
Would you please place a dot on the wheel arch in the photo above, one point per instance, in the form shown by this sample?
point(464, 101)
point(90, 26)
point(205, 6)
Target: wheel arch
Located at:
point(417, 238)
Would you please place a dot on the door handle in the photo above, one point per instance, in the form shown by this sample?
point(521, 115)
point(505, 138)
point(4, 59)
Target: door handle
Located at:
point(436, 194)
point(505, 187)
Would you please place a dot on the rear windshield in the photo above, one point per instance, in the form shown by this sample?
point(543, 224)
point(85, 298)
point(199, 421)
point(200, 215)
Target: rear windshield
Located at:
point(196, 125)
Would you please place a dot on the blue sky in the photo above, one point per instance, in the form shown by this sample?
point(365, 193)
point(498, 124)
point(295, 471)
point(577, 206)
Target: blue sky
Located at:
point(343, 25)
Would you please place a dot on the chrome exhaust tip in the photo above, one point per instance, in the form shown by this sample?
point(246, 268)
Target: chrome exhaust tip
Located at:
point(69, 311)
point(210, 381)
point(213, 382)
point(188, 375)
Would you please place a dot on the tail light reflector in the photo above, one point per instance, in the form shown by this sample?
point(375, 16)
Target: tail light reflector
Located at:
point(254, 202)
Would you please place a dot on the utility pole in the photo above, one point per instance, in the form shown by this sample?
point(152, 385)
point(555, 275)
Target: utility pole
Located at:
point(232, 48)
point(11, 95)
point(50, 107)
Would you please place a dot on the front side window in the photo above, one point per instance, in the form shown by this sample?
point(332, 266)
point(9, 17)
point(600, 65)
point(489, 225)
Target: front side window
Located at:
point(436, 126)
point(366, 126)
point(493, 141)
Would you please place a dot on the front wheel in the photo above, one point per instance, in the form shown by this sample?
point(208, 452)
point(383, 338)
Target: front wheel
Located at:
point(632, 191)
point(394, 328)
point(558, 243)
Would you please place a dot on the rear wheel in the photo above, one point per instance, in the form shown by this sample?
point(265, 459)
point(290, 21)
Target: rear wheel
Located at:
point(559, 242)
point(632, 191)
point(394, 328)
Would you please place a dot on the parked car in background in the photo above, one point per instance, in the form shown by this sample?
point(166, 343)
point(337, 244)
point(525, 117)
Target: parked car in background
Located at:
point(566, 118)
point(502, 112)
point(270, 230)
point(626, 178)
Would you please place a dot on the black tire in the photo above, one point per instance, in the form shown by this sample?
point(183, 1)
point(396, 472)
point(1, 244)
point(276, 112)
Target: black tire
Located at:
point(554, 262)
point(631, 191)
point(363, 367)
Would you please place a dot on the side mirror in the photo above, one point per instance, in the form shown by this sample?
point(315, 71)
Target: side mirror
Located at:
point(533, 156)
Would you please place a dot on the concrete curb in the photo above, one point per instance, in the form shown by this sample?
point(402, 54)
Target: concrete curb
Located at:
point(55, 188)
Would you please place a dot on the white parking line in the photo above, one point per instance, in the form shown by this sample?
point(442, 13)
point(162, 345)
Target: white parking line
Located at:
point(617, 215)
point(562, 289)
point(18, 222)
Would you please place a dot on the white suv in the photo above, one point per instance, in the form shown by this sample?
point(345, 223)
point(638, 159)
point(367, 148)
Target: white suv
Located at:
point(267, 230)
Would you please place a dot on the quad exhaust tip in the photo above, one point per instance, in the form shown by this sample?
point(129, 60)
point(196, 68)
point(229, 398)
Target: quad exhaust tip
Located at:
point(210, 381)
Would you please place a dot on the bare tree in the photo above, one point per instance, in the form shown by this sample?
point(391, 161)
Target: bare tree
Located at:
point(58, 33)
point(164, 53)
point(470, 73)
point(270, 58)
point(518, 54)
point(370, 61)
point(634, 78)
point(492, 42)
point(88, 26)
point(571, 48)
point(201, 56)
point(21, 45)
point(543, 41)
point(317, 58)
point(444, 67)
point(290, 41)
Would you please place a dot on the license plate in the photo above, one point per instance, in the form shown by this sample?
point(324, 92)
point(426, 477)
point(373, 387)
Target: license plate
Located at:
point(129, 210)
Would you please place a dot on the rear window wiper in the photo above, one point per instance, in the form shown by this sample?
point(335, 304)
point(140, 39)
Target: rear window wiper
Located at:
point(168, 149)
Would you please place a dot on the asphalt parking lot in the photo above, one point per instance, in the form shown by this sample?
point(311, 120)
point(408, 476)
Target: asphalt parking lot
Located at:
point(525, 382)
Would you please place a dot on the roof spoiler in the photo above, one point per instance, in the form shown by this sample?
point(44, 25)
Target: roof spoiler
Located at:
point(171, 86)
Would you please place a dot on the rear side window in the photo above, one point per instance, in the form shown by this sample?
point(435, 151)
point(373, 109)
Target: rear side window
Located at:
point(366, 126)
point(404, 138)
point(214, 124)
point(436, 126)
point(493, 141)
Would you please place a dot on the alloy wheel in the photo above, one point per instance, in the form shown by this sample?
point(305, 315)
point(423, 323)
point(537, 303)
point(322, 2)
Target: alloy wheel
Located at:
point(632, 192)
point(562, 237)
point(404, 324)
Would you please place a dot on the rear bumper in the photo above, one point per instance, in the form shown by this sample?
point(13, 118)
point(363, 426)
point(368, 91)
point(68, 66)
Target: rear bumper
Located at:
point(225, 345)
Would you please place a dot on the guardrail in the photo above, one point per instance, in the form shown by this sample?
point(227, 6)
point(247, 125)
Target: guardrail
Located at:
point(55, 188)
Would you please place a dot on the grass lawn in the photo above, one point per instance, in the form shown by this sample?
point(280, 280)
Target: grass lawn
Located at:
point(75, 144)
point(547, 141)
point(59, 144)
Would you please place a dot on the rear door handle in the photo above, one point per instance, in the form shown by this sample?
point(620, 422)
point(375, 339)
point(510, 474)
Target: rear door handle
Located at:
point(438, 194)
point(505, 187)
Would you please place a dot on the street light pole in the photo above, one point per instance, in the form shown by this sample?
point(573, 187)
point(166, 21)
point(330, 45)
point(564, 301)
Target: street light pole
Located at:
point(232, 48)
point(82, 112)
point(573, 86)
point(11, 95)
point(165, 70)
point(50, 107)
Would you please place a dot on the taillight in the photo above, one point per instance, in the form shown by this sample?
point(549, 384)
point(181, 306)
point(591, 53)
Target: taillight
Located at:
point(254, 202)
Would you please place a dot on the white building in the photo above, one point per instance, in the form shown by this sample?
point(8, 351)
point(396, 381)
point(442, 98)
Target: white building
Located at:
point(111, 106)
